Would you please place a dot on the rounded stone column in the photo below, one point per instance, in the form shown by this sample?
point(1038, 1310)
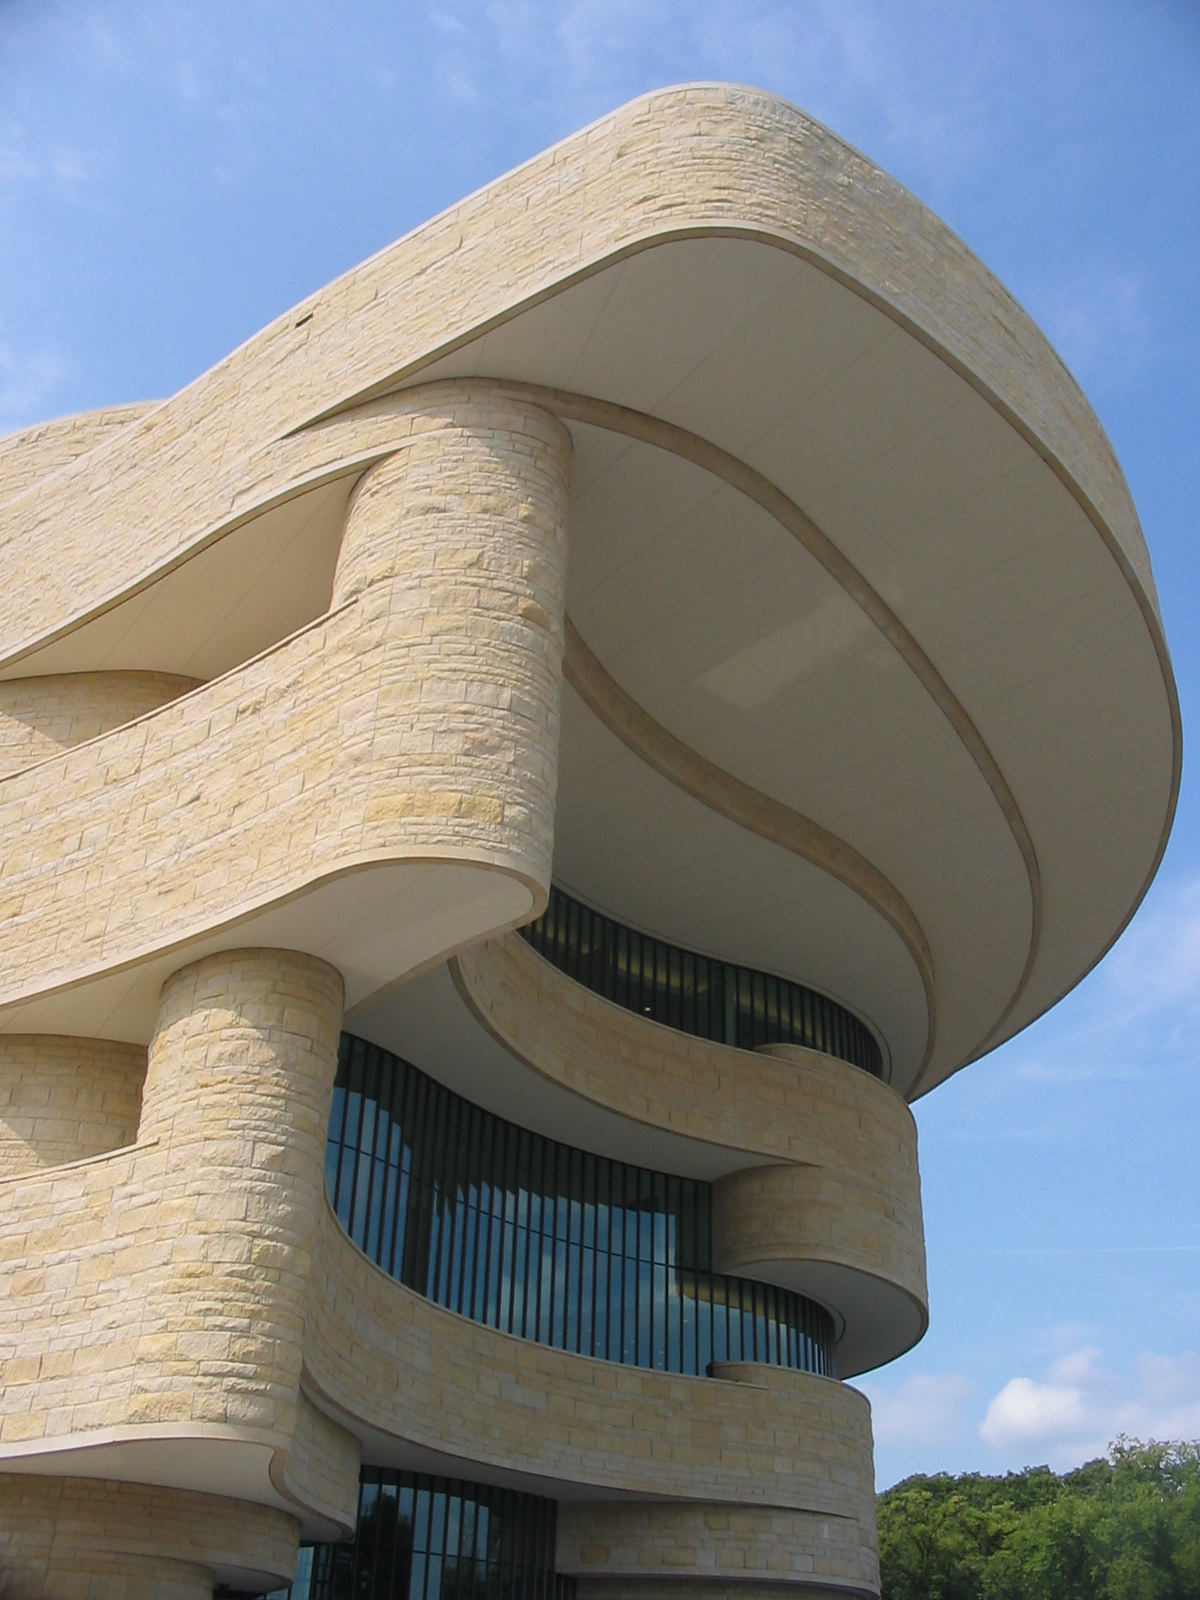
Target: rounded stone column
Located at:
point(79, 1575)
point(455, 552)
point(237, 1095)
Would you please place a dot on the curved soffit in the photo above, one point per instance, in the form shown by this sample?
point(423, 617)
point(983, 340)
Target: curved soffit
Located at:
point(774, 226)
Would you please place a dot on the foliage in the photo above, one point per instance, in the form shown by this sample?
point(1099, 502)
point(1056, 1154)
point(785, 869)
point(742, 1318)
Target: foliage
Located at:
point(1122, 1528)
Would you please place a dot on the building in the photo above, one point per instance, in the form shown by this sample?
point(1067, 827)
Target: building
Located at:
point(460, 1000)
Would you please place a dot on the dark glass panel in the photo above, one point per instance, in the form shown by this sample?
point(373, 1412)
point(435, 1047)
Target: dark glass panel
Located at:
point(688, 991)
point(538, 1238)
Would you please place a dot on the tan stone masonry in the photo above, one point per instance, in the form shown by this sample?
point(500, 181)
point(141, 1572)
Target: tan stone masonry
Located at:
point(88, 1539)
point(41, 716)
point(161, 1291)
point(701, 159)
point(830, 1172)
point(394, 1366)
point(827, 472)
point(64, 1099)
point(417, 722)
point(29, 456)
point(154, 1297)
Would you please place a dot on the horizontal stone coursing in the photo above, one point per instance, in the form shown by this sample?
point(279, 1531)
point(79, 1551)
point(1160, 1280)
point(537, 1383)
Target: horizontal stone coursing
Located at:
point(383, 1357)
point(705, 158)
point(711, 1542)
point(32, 454)
point(809, 1213)
point(418, 721)
point(65, 1099)
point(161, 1291)
point(41, 716)
point(92, 1539)
point(806, 1107)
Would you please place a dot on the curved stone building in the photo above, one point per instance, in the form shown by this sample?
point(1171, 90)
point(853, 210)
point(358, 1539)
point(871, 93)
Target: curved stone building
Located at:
point(511, 783)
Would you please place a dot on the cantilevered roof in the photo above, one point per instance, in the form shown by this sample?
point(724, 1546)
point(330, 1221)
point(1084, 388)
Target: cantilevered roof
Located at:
point(866, 680)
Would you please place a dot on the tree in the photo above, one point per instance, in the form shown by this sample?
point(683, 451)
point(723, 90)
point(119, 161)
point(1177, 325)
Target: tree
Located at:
point(1126, 1527)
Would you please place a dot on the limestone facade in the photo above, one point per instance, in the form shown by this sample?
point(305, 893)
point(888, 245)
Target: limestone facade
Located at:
point(211, 879)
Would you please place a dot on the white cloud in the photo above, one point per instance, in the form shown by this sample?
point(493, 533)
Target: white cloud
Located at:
point(1026, 1412)
point(1077, 1366)
point(923, 1410)
point(1073, 1412)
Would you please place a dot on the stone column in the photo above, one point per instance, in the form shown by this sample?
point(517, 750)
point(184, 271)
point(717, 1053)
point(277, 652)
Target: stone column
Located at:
point(237, 1095)
point(455, 552)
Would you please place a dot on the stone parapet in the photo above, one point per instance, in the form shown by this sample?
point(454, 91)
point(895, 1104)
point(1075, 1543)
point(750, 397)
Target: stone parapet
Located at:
point(39, 717)
point(698, 159)
point(417, 722)
point(411, 1379)
point(157, 1295)
point(792, 1104)
point(701, 1548)
point(33, 453)
point(93, 1539)
point(64, 1099)
point(826, 1198)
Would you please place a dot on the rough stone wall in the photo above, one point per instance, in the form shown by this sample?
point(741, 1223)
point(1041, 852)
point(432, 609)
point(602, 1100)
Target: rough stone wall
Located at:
point(701, 158)
point(159, 1292)
point(238, 1088)
point(320, 1468)
point(41, 716)
point(831, 1172)
point(64, 1099)
point(165, 1285)
point(92, 1539)
point(801, 1106)
point(418, 1373)
point(798, 1213)
point(33, 453)
point(388, 730)
point(625, 1539)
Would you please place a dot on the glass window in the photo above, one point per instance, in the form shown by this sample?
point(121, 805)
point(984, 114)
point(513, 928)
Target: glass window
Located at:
point(689, 991)
point(541, 1239)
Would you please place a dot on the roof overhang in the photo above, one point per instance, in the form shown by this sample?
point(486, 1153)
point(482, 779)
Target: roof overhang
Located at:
point(867, 684)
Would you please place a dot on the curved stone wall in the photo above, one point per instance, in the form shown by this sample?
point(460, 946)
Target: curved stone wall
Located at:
point(88, 1536)
point(841, 1144)
point(174, 1310)
point(442, 662)
point(406, 1375)
point(168, 1334)
point(694, 993)
point(781, 1214)
point(542, 1239)
point(31, 454)
point(700, 1549)
point(39, 717)
point(733, 161)
point(362, 790)
point(64, 1099)
point(237, 1092)
point(859, 1249)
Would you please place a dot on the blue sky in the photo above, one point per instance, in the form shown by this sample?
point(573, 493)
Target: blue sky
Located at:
point(172, 177)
